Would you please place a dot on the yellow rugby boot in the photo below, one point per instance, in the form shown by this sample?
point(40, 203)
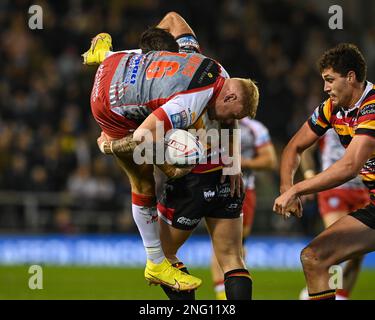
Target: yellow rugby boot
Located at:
point(100, 45)
point(220, 295)
point(164, 273)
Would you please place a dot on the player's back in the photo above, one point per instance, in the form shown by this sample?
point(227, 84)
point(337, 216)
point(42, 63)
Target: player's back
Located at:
point(130, 86)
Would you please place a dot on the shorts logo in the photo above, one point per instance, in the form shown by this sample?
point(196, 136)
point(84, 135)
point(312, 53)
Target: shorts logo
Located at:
point(233, 206)
point(209, 194)
point(187, 221)
point(179, 120)
point(224, 190)
point(334, 202)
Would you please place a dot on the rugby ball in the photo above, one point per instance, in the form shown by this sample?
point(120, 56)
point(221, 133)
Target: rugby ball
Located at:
point(182, 148)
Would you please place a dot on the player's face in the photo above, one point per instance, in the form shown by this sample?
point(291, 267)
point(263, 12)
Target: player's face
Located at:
point(227, 110)
point(337, 87)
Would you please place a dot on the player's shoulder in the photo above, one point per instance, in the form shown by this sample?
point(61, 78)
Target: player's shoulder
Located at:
point(367, 105)
point(204, 71)
point(323, 111)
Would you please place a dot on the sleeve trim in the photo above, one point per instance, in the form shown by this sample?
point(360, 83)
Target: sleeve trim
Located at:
point(163, 116)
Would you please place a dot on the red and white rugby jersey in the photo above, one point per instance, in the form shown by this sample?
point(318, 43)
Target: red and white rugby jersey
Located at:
point(253, 136)
point(359, 120)
point(331, 150)
point(176, 87)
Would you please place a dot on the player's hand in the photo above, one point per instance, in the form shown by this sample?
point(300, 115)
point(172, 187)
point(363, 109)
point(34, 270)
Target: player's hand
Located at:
point(288, 203)
point(236, 184)
point(104, 144)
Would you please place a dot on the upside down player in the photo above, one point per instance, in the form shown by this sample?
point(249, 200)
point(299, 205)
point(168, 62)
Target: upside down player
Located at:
point(337, 202)
point(116, 125)
point(257, 153)
point(350, 111)
point(238, 282)
point(232, 98)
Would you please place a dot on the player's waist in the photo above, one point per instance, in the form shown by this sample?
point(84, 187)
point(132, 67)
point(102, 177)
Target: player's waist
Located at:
point(211, 162)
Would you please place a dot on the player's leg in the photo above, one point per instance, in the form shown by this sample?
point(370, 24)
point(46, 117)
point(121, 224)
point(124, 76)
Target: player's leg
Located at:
point(179, 213)
point(335, 204)
point(158, 268)
point(226, 235)
point(351, 267)
point(348, 238)
point(144, 205)
point(248, 218)
point(172, 239)
point(217, 278)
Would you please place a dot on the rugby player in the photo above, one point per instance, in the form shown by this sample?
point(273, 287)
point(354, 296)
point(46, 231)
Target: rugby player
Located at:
point(337, 202)
point(184, 87)
point(257, 153)
point(350, 111)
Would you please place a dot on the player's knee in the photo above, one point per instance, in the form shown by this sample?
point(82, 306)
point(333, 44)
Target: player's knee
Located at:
point(310, 258)
point(143, 187)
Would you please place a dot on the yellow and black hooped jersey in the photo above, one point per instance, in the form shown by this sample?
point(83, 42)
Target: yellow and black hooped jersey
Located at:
point(359, 120)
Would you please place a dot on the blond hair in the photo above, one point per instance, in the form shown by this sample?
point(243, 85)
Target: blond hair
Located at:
point(249, 93)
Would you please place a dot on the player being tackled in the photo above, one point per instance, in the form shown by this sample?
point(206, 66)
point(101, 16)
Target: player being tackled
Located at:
point(158, 269)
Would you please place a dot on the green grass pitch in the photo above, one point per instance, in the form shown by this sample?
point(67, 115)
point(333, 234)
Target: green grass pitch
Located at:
point(128, 283)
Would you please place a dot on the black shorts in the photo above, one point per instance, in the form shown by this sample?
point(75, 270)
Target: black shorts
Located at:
point(366, 215)
point(186, 200)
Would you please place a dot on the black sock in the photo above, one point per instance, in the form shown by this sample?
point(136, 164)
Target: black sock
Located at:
point(238, 285)
point(179, 295)
point(324, 295)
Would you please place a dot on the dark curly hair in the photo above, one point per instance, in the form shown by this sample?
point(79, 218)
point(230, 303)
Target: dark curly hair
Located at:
point(157, 39)
point(343, 58)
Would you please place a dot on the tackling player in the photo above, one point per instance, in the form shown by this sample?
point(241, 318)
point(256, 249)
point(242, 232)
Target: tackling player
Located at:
point(350, 111)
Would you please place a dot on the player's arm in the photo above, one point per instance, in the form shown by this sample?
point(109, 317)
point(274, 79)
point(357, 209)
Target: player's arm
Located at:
point(175, 25)
point(291, 155)
point(232, 168)
point(358, 152)
point(265, 159)
point(181, 31)
point(308, 163)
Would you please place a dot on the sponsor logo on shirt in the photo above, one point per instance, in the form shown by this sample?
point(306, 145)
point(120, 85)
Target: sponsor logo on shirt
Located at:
point(180, 119)
point(370, 109)
point(133, 67)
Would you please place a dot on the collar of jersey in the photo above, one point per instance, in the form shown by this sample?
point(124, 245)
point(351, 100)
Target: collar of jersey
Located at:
point(368, 87)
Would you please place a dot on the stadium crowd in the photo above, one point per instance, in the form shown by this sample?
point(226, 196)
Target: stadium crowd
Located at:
point(47, 134)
